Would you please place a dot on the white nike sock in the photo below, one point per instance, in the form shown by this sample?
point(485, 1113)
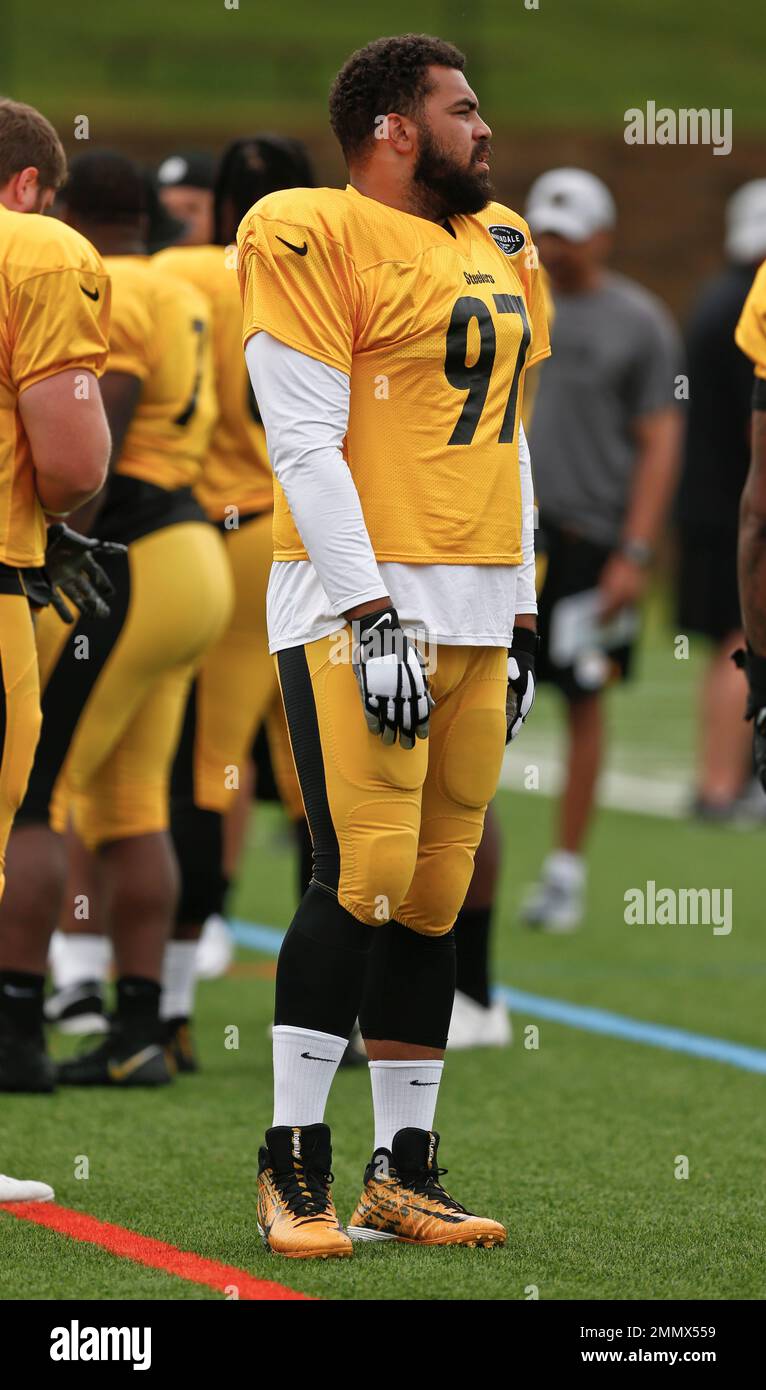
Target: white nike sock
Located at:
point(305, 1063)
point(79, 956)
point(178, 979)
point(403, 1097)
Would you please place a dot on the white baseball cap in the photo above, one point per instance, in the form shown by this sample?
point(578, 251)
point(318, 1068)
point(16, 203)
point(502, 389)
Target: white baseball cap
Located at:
point(570, 202)
point(746, 223)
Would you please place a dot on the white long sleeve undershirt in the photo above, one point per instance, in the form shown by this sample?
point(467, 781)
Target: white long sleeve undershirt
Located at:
point(304, 406)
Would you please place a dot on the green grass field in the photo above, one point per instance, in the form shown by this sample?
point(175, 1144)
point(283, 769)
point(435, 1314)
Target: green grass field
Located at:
point(574, 1144)
point(212, 68)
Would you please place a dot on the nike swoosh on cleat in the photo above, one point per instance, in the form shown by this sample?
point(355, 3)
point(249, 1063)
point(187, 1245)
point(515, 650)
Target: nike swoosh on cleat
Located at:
point(312, 1058)
point(299, 250)
point(118, 1071)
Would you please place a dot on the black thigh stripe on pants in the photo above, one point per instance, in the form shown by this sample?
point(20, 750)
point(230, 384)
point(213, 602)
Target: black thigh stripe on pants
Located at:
point(302, 722)
point(66, 694)
point(197, 833)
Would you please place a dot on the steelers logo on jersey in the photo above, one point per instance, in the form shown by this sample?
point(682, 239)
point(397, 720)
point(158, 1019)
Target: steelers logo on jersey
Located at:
point(509, 239)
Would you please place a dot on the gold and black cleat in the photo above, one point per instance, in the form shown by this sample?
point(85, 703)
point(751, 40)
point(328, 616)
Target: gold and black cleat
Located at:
point(296, 1213)
point(403, 1199)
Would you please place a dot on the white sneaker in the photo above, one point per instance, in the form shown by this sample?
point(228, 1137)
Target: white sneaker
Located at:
point(12, 1190)
point(215, 949)
point(557, 901)
point(472, 1025)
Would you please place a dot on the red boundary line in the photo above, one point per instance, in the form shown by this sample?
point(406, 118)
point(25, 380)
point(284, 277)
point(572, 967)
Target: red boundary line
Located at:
point(144, 1250)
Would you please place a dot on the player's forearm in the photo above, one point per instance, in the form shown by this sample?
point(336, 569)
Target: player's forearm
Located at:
point(69, 440)
point(304, 407)
point(655, 478)
point(526, 595)
point(752, 541)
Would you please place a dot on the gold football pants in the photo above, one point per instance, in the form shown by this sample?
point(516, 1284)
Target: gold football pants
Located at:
point(395, 830)
point(115, 690)
point(19, 709)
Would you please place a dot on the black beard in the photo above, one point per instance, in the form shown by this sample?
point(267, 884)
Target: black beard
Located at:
point(446, 188)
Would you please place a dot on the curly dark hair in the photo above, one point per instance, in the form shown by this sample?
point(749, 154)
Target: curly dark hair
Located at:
point(386, 75)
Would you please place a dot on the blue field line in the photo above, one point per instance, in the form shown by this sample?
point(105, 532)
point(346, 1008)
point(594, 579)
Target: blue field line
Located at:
point(269, 939)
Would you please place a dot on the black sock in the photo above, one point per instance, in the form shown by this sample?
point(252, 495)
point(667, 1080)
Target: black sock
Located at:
point(410, 987)
point(21, 1001)
point(138, 1002)
point(321, 967)
point(472, 930)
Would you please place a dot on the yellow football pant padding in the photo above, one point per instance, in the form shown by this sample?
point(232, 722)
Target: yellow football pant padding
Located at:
point(114, 781)
point(21, 696)
point(236, 682)
point(408, 821)
point(282, 764)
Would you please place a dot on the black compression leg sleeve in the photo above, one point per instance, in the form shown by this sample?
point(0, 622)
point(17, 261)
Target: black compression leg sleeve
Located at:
point(321, 967)
point(198, 842)
point(472, 930)
point(409, 988)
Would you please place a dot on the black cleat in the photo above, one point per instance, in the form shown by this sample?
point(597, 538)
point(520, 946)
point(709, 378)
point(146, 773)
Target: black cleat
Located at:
point(126, 1057)
point(179, 1045)
point(24, 1063)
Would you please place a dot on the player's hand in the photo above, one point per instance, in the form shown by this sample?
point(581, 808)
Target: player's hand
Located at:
point(521, 680)
point(754, 667)
point(621, 585)
point(392, 678)
point(72, 567)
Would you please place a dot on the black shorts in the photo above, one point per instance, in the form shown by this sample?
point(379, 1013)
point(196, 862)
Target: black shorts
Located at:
point(573, 565)
point(708, 597)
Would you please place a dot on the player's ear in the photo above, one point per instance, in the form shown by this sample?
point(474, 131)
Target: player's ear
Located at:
point(401, 133)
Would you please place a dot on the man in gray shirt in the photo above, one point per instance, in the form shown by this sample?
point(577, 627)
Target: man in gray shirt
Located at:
point(604, 445)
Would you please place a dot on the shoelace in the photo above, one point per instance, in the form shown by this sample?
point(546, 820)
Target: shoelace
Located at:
point(428, 1185)
point(307, 1196)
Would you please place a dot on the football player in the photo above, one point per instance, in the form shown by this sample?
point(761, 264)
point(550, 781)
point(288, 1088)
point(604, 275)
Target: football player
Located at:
point(114, 693)
point(54, 448)
point(388, 327)
point(751, 338)
point(236, 683)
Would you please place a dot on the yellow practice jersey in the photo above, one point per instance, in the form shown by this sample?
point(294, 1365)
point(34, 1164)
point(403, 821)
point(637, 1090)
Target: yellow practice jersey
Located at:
point(750, 333)
point(54, 317)
point(237, 470)
point(435, 326)
point(160, 333)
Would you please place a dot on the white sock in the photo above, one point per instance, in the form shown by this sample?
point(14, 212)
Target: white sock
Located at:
point(305, 1063)
point(79, 956)
point(566, 868)
point(403, 1097)
point(178, 979)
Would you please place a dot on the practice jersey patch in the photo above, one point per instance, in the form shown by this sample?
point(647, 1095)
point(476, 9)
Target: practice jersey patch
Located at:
point(509, 239)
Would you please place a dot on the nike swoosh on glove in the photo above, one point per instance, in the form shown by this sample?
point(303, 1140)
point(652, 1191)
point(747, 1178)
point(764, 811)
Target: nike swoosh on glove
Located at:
point(392, 678)
point(521, 680)
point(72, 567)
point(754, 667)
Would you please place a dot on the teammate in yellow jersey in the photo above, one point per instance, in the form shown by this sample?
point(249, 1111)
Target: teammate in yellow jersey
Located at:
point(54, 447)
point(751, 338)
point(114, 693)
point(388, 327)
point(236, 683)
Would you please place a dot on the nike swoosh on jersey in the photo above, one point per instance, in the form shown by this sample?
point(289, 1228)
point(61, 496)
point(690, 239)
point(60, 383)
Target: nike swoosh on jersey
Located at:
point(118, 1071)
point(299, 250)
point(92, 294)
